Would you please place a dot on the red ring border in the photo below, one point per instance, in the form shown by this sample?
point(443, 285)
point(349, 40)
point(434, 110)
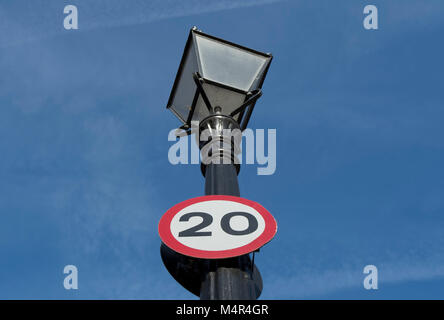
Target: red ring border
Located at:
point(169, 240)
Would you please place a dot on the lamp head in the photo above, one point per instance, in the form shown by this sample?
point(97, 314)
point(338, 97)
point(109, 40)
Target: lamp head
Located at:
point(215, 73)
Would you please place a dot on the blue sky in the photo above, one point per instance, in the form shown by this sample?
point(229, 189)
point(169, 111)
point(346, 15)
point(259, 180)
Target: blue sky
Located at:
point(84, 173)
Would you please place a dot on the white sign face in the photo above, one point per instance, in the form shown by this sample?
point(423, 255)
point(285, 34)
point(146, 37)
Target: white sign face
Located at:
point(210, 218)
point(216, 227)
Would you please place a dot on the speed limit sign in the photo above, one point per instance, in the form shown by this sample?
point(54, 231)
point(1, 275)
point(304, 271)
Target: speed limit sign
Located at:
point(215, 227)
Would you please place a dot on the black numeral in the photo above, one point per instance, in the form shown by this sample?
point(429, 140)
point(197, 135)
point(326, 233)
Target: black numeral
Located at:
point(192, 232)
point(225, 223)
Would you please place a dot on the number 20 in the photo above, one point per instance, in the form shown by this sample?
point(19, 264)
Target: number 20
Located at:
point(207, 219)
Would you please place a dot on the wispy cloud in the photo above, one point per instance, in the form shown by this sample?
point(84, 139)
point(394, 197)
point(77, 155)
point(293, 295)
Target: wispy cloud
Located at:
point(332, 264)
point(315, 285)
point(43, 19)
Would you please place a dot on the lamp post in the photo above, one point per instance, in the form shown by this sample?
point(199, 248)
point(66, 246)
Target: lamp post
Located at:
point(217, 85)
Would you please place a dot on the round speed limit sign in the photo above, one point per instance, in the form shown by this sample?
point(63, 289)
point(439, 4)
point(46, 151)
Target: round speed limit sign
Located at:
point(215, 227)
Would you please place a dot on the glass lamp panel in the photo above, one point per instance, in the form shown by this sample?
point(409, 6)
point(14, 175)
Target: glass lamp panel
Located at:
point(201, 110)
point(228, 64)
point(185, 89)
point(226, 99)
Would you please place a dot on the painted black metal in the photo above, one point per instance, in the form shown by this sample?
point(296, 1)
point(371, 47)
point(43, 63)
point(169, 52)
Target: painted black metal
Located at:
point(227, 279)
point(185, 270)
point(190, 272)
point(221, 179)
point(179, 74)
point(193, 107)
point(256, 95)
point(203, 168)
point(245, 121)
point(230, 279)
point(197, 80)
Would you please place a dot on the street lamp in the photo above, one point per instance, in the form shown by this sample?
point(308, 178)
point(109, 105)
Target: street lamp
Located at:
point(217, 85)
point(217, 73)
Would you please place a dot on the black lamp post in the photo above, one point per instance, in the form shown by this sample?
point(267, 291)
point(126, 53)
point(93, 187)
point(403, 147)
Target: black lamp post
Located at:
point(217, 85)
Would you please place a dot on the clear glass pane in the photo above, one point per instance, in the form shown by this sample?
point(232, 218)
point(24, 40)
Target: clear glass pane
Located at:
point(226, 99)
point(186, 87)
point(229, 64)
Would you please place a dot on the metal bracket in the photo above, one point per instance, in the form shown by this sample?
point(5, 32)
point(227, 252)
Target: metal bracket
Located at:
point(250, 102)
point(183, 131)
point(198, 80)
point(256, 94)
